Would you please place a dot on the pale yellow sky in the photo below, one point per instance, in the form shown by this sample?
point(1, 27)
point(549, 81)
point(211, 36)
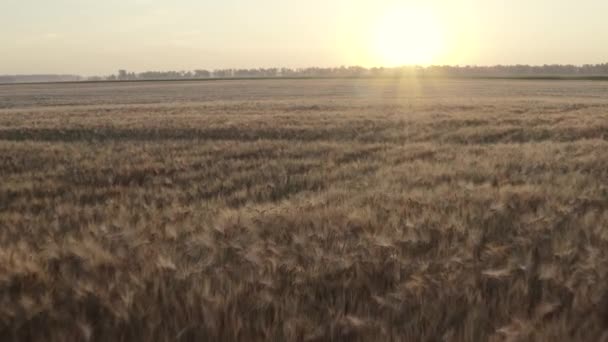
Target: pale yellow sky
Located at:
point(98, 37)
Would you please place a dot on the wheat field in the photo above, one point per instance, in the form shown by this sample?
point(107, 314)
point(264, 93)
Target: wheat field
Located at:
point(304, 210)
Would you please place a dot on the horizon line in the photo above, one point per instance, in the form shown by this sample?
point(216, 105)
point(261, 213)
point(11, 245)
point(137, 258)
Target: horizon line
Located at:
point(395, 77)
point(405, 66)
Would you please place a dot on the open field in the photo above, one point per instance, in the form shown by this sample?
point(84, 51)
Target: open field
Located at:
point(305, 210)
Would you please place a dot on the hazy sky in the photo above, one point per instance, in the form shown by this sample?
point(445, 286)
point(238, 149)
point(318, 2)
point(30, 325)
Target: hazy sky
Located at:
point(99, 37)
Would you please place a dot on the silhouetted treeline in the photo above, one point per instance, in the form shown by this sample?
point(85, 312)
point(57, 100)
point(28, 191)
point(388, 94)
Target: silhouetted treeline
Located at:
point(556, 70)
point(356, 71)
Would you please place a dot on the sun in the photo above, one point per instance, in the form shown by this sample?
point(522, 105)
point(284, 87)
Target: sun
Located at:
point(407, 35)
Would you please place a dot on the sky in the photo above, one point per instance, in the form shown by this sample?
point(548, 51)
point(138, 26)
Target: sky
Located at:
point(93, 37)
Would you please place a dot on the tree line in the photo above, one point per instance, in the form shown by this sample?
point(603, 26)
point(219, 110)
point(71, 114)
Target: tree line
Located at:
point(553, 70)
point(556, 70)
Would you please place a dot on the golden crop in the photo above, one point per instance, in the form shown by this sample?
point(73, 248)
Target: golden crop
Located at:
point(304, 210)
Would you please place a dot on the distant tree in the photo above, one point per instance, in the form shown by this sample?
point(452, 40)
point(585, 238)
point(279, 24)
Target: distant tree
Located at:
point(223, 73)
point(356, 71)
point(202, 74)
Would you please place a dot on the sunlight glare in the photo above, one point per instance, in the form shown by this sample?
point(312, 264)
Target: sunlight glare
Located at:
point(407, 35)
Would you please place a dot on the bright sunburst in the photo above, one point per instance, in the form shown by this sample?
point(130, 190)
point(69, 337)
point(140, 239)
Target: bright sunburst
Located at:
point(407, 35)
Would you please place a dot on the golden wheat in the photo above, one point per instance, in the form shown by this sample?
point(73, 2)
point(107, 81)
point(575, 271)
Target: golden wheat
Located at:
point(304, 210)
